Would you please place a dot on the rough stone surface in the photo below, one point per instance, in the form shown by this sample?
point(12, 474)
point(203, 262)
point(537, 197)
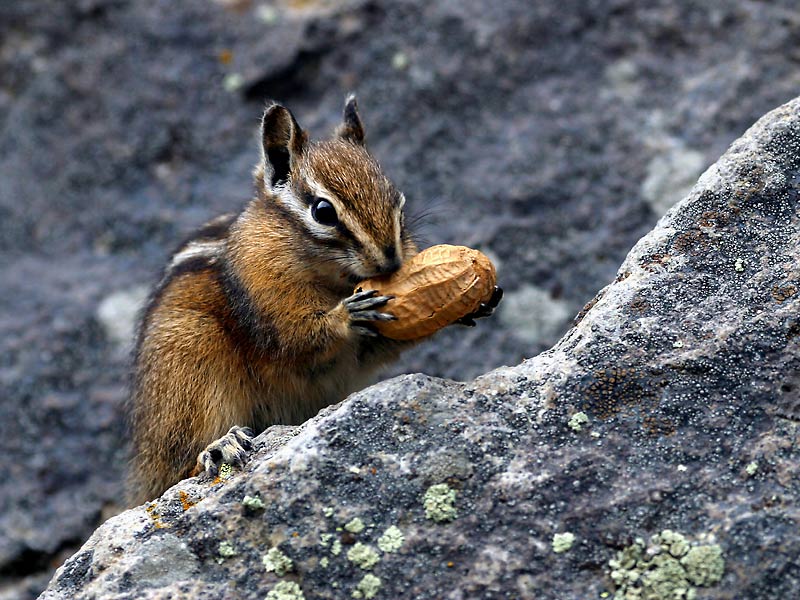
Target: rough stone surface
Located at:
point(687, 370)
point(526, 130)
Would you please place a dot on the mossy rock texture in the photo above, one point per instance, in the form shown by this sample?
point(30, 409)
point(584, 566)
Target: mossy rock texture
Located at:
point(687, 368)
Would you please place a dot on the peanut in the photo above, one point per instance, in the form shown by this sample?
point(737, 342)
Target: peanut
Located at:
point(434, 289)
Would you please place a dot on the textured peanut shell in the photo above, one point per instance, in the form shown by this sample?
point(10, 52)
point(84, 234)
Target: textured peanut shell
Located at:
point(434, 289)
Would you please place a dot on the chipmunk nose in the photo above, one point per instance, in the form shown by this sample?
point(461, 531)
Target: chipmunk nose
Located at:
point(391, 263)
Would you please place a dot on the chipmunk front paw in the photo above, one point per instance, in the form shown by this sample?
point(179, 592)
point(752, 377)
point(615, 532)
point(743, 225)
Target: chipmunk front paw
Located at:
point(362, 306)
point(485, 309)
point(232, 449)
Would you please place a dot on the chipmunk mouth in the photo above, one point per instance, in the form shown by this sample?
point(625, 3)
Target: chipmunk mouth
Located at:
point(356, 268)
point(379, 271)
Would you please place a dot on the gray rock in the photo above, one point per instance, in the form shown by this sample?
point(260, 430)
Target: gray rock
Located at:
point(533, 315)
point(118, 313)
point(686, 367)
point(671, 174)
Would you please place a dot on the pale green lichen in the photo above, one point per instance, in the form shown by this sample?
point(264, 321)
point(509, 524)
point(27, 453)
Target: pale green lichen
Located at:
point(355, 525)
point(563, 541)
point(327, 511)
point(665, 578)
point(704, 564)
point(739, 265)
point(226, 550)
point(752, 468)
point(277, 562)
point(368, 587)
point(253, 503)
point(363, 556)
point(668, 568)
point(225, 471)
point(577, 421)
point(440, 503)
point(325, 539)
point(286, 590)
point(391, 540)
point(323, 562)
point(673, 542)
point(336, 548)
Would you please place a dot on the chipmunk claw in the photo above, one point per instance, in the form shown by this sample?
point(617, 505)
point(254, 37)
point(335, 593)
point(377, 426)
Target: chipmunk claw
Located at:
point(485, 309)
point(232, 448)
point(362, 308)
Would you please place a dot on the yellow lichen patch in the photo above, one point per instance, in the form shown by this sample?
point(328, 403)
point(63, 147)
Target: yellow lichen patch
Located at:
point(186, 502)
point(157, 523)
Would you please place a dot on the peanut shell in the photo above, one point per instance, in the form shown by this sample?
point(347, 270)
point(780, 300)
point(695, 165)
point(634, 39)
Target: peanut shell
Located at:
point(434, 289)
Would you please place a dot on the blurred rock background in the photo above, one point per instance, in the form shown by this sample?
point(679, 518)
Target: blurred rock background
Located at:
point(552, 135)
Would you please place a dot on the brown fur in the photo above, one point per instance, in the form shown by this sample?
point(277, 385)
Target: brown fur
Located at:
point(259, 335)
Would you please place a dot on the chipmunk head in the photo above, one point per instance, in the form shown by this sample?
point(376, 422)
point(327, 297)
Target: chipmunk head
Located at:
point(335, 194)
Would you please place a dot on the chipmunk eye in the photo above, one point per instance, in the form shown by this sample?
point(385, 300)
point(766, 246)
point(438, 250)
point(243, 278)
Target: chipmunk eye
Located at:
point(324, 213)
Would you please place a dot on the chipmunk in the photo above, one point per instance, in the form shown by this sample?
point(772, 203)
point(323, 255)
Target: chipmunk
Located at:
point(255, 322)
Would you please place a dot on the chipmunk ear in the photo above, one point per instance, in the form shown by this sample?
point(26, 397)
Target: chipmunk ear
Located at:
point(351, 128)
point(282, 143)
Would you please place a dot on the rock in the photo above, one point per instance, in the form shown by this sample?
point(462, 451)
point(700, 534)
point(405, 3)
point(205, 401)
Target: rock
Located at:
point(525, 131)
point(533, 315)
point(670, 175)
point(686, 369)
point(117, 313)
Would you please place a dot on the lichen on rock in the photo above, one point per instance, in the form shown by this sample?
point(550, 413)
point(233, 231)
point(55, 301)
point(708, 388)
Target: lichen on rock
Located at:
point(368, 587)
point(391, 540)
point(563, 542)
point(440, 503)
point(667, 568)
point(355, 525)
point(277, 562)
point(363, 556)
point(285, 590)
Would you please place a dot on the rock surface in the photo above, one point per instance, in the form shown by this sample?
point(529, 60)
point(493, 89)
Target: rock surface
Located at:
point(549, 135)
point(667, 418)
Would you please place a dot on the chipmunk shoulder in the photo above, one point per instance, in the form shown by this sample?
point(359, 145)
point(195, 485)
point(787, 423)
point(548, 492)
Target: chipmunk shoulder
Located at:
point(255, 321)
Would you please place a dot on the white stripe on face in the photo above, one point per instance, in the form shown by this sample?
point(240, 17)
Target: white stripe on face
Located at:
point(303, 212)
